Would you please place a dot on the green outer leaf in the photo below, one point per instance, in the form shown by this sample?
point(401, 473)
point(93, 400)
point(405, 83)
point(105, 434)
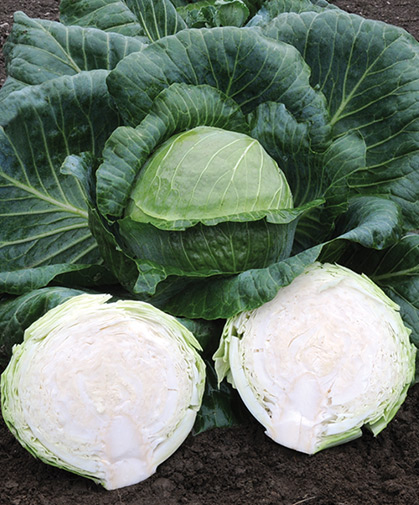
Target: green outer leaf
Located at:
point(26, 279)
point(119, 262)
point(43, 214)
point(224, 58)
point(232, 12)
point(328, 175)
point(152, 18)
point(203, 251)
point(253, 5)
point(207, 333)
point(221, 406)
point(369, 73)
point(10, 85)
point(107, 15)
point(372, 222)
point(287, 141)
point(81, 167)
point(177, 108)
point(123, 267)
point(16, 314)
point(158, 18)
point(179, 3)
point(224, 297)
point(274, 8)
point(38, 50)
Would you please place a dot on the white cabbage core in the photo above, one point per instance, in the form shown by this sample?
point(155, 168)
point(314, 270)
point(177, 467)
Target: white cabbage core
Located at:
point(107, 394)
point(327, 355)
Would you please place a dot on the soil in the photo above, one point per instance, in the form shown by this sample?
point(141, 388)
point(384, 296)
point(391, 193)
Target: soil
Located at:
point(239, 465)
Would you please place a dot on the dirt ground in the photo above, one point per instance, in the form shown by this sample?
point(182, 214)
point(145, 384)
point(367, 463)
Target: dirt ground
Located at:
point(240, 465)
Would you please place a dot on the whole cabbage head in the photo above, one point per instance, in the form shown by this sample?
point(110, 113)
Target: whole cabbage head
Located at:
point(327, 355)
point(104, 390)
point(198, 199)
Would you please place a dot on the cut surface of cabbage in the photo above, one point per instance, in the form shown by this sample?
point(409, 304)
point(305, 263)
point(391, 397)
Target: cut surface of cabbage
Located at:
point(106, 390)
point(327, 355)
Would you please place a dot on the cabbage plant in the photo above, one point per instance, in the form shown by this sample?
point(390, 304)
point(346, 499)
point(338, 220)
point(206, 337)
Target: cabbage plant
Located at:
point(327, 356)
point(200, 155)
point(105, 390)
point(313, 158)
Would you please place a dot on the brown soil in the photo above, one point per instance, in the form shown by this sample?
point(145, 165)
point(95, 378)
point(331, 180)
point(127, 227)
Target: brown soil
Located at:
point(240, 465)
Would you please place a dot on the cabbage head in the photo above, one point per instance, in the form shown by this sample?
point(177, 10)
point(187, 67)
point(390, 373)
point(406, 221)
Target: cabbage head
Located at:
point(198, 199)
point(104, 390)
point(328, 355)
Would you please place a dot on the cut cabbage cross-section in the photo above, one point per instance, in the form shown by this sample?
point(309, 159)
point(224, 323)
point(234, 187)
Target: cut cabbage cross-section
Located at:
point(327, 355)
point(105, 390)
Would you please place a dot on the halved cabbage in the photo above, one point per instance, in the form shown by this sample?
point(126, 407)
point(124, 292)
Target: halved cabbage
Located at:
point(327, 355)
point(105, 390)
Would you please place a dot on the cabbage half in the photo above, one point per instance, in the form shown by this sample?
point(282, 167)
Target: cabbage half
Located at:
point(327, 355)
point(105, 390)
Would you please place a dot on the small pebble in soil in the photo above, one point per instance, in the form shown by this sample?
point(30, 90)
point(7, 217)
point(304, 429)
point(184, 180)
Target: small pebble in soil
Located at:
point(392, 487)
point(163, 485)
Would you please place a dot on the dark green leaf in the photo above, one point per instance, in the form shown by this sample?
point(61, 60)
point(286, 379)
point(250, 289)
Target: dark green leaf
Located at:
point(158, 18)
point(226, 59)
point(44, 214)
point(38, 50)
point(208, 333)
point(27, 279)
point(369, 73)
point(153, 18)
point(270, 10)
point(370, 221)
point(203, 251)
point(107, 15)
point(310, 173)
point(221, 405)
